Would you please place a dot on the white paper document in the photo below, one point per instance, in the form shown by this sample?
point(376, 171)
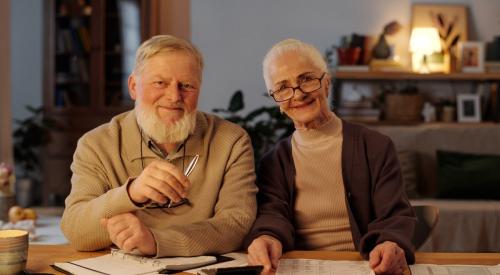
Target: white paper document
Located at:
point(322, 267)
point(119, 262)
point(432, 269)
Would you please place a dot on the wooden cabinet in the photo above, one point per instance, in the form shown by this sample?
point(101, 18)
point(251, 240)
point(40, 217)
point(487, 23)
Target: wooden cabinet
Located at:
point(339, 77)
point(89, 52)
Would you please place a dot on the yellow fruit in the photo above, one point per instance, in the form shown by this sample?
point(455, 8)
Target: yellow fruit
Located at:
point(29, 214)
point(16, 213)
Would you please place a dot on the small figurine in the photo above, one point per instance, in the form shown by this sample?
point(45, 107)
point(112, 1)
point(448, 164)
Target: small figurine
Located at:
point(429, 112)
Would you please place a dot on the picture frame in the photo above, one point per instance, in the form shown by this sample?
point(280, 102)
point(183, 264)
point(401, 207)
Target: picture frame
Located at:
point(451, 22)
point(471, 56)
point(469, 108)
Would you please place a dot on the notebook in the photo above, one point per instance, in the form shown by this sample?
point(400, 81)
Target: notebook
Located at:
point(119, 262)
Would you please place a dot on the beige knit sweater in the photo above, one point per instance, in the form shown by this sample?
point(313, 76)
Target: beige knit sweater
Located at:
point(222, 192)
point(321, 217)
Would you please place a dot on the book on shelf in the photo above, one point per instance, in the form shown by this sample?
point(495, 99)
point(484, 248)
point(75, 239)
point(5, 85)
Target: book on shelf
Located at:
point(359, 114)
point(361, 118)
point(387, 65)
point(353, 68)
point(84, 36)
point(492, 67)
point(356, 104)
point(358, 111)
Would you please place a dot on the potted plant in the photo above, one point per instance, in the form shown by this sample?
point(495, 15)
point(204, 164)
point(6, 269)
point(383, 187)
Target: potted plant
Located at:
point(30, 134)
point(265, 125)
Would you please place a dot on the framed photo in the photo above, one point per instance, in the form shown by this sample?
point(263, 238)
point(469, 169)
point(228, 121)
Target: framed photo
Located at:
point(471, 57)
point(468, 108)
point(451, 23)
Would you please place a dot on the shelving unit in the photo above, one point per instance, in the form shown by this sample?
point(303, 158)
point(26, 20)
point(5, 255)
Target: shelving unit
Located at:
point(338, 77)
point(85, 75)
point(370, 75)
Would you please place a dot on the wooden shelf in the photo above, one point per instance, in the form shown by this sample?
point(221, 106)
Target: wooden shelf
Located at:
point(371, 75)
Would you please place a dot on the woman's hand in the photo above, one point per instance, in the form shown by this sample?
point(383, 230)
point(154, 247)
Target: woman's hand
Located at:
point(387, 258)
point(265, 250)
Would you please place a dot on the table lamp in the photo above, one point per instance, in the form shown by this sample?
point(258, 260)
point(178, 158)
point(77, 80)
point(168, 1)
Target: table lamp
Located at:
point(423, 42)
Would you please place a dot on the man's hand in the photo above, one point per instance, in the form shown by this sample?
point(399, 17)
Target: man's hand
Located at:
point(127, 232)
point(265, 250)
point(387, 258)
point(158, 182)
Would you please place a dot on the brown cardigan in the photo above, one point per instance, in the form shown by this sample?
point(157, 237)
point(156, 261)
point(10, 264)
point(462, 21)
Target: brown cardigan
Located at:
point(377, 204)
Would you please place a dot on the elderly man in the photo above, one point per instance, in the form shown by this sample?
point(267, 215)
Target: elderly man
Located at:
point(130, 184)
point(332, 185)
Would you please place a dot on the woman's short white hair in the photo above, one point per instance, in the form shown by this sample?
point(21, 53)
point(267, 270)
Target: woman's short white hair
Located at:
point(298, 46)
point(164, 43)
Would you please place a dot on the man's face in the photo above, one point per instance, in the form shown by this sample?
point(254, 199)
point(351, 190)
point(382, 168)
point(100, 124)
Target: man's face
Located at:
point(168, 85)
point(290, 69)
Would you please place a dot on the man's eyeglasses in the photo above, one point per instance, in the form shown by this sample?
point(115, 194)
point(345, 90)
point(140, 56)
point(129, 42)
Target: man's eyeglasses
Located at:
point(287, 93)
point(172, 204)
point(169, 204)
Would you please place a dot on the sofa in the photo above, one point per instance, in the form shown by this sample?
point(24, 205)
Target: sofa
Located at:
point(469, 221)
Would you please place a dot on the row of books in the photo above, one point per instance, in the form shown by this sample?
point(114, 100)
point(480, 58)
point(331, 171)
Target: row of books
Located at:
point(76, 70)
point(361, 111)
point(376, 65)
point(73, 40)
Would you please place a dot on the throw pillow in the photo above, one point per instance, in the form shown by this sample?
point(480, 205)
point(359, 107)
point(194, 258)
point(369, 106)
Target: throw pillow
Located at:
point(408, 162)
point(468, 176)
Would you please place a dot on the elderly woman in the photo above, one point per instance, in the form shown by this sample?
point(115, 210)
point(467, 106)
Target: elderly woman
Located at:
point(332, 185)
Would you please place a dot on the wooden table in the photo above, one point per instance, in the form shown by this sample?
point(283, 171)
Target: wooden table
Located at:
point(41, 256)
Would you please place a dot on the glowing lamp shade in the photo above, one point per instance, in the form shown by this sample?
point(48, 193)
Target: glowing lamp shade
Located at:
point(423, 42)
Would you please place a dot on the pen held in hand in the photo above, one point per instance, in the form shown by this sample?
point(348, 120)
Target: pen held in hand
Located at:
point(170, 203)
point(191, 165)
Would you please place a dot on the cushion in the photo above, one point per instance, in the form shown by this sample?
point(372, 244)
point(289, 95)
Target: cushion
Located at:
point(468, 176)
point(408, 162)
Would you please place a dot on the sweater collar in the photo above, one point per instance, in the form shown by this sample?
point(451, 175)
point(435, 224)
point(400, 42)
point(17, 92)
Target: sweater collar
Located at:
point(132, 142)
point(331, 128)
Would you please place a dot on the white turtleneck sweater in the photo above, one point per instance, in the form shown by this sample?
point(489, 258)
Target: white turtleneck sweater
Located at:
point(321, 217)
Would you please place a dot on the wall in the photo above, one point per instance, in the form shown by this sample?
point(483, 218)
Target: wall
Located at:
point(234, 35)
point(26, 55)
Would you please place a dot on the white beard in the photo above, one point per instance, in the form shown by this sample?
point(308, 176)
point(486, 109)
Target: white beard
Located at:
point(160, 132)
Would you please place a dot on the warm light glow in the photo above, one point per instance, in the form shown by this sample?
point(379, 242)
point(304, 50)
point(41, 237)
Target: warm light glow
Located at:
point(423, 42)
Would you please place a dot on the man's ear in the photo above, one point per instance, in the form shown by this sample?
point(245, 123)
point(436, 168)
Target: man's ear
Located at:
point(132, 86)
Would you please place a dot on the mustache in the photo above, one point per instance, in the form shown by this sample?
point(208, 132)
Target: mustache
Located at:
point(179, 105)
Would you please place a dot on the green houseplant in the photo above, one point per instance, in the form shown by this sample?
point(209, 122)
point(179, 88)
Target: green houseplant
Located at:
point(30, 134)
point(265, 125)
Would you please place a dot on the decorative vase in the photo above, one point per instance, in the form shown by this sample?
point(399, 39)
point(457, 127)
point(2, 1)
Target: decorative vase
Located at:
point(24, 192)
point(381, 50)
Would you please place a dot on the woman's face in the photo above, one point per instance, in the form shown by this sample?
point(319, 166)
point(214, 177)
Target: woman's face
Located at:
point(291, 69)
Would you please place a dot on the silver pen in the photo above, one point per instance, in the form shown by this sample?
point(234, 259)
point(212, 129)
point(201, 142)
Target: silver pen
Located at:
point(191, 165)
point(170, 203)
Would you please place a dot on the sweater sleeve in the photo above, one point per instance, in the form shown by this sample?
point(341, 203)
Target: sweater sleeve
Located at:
point(91, 198)
point(395, 219)
point(234, 212)
point(274, 199)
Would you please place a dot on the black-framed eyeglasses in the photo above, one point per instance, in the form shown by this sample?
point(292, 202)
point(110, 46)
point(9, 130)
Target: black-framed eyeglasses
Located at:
point(169, 204)
point(287, 93)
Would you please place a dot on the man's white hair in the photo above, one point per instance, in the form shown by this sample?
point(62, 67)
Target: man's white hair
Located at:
point(295, 45)
point(164, 43)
